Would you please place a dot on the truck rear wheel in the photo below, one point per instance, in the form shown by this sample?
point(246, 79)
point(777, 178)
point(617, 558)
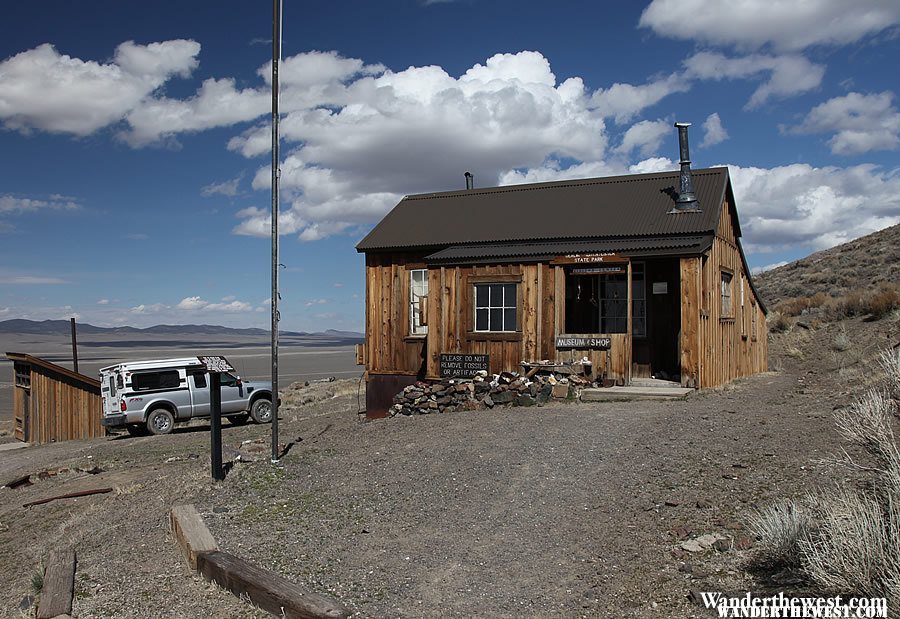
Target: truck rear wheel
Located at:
point(261, 411)
point(160, 421)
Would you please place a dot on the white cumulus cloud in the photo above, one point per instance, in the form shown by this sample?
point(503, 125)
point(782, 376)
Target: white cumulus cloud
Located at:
point(227, 188)
point(800, 205)
point(713, 131)
point(217, 103)
point(624, 101)
point(787, 75)
point(787, 25)
point(367, 136)
point(43, 89)
point(860, 123)
point(645, 136)
point(228, 304)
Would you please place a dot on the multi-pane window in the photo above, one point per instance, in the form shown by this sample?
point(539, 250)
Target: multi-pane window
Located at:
point(727, 307)
point(418, 289)
point(495, 307)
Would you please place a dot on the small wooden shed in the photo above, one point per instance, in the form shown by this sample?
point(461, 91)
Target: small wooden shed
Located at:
point(638, 276)
point(52, 403)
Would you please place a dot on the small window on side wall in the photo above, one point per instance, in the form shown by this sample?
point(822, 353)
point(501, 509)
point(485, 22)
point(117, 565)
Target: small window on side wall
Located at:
point(727, 305)
point(753, 321)
point(418, 290)
point(495, 307)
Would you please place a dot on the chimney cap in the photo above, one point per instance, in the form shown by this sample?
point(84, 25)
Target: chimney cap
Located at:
point(682, 124)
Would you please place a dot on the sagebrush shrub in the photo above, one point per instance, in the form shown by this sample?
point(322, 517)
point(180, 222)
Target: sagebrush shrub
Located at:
point(847, 540)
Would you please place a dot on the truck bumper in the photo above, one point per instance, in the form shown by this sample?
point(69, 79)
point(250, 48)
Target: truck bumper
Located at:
point(112, 421)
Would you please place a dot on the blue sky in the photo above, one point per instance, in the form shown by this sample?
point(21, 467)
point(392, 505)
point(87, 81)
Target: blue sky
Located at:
point(134, 161)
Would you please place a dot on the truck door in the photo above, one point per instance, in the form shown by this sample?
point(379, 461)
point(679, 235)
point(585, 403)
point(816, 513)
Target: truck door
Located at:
point(110, 392)
point(232, 394)
point(200, 392)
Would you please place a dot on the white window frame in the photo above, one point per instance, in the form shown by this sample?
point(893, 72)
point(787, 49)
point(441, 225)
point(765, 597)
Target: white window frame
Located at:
point(726, 279)
point(417, 291)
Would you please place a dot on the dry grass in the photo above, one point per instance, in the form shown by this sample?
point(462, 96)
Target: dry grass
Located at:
point(847, 540)
point(875, 303)
point(780, 323)
point(795, 306)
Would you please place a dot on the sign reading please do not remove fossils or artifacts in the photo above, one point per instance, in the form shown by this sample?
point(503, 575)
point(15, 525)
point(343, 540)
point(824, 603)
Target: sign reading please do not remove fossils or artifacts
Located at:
point(454, 365)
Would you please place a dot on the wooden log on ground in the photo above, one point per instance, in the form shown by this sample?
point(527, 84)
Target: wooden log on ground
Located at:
point(59, 584)
point(266, 589)
point(71, 495)
point(191, 533)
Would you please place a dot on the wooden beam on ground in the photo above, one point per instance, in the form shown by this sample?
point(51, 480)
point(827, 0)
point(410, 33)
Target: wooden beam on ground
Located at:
point(59, 584)
point(70, 495)
point(266, 589)
point(191, 533)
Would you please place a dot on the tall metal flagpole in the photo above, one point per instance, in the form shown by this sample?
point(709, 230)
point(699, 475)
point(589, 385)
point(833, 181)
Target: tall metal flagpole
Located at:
point(276, 172)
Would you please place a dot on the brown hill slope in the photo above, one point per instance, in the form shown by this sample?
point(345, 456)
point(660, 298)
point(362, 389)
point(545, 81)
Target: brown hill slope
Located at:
point(864, 263)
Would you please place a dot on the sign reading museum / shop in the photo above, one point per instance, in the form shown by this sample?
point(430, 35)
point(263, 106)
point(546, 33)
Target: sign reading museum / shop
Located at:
point(583, 343)
point(453, 365)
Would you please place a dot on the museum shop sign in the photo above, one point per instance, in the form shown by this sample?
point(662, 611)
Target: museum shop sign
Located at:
point(582, 343)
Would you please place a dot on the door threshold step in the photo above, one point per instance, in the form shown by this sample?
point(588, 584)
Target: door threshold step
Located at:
point(634, 393)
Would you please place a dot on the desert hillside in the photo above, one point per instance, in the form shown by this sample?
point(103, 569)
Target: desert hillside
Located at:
point(864, 263)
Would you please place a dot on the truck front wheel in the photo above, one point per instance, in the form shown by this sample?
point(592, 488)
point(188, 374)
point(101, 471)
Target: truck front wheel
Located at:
point(261, 411)
point(160, 421)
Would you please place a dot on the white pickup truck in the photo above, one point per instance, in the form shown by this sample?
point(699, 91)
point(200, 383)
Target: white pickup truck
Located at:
point(152, 396)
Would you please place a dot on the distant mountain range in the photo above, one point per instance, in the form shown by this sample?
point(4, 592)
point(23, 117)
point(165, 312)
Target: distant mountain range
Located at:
point(63, 327)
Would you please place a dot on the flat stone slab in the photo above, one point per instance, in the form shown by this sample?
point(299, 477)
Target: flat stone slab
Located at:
point(634, 393)
point(11, 446)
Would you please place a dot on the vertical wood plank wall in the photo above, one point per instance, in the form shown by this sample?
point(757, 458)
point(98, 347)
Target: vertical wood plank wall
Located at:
point(61, 410)
point(389, 349)
point(725, 344)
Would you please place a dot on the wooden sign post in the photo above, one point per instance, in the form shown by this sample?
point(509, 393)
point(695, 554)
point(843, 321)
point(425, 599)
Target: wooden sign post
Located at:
point(215, 366)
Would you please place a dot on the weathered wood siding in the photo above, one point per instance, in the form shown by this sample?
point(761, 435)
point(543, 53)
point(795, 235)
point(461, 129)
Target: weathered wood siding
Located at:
point(724, 344)
point(61, 409)
point(450, 312)
point(389, 348)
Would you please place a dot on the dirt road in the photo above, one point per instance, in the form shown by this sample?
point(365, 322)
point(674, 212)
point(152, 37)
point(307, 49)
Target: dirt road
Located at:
point(564, 510)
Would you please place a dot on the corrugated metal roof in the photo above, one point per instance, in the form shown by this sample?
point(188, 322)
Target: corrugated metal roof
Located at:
point(629, 206)
point(539, 252)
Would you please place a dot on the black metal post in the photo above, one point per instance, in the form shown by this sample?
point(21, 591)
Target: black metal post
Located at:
point(215, 434)
point(74, 348)
point(276, 59)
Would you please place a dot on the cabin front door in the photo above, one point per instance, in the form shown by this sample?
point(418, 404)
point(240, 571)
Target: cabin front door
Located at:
point(655, 340)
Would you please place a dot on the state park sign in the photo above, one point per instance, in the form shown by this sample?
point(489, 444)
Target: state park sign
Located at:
point(454, 365)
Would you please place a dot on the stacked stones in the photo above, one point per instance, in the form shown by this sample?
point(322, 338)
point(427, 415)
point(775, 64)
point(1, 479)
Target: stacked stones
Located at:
point(422, 398)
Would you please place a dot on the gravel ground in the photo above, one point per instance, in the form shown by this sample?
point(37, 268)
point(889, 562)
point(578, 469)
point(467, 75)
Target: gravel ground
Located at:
point(564, 510)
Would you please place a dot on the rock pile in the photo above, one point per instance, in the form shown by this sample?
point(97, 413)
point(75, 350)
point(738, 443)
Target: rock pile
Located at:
point(482, 391)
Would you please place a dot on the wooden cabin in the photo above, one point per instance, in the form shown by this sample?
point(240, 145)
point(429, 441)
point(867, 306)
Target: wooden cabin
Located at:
point(52, 403)
point(643, 275)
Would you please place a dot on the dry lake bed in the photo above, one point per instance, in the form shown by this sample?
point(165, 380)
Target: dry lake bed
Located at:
point(301, 357)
